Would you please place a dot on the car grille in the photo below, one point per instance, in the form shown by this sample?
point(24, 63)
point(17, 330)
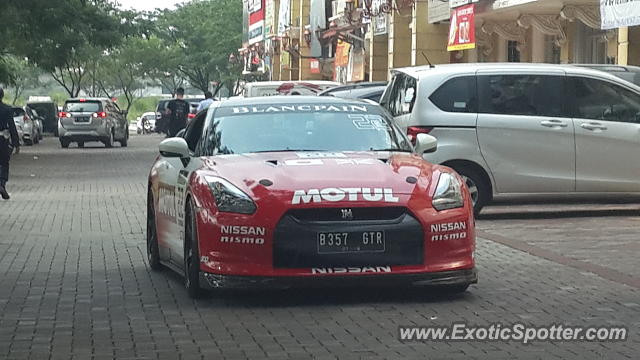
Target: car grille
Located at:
point(295, 238)
point(358, 214)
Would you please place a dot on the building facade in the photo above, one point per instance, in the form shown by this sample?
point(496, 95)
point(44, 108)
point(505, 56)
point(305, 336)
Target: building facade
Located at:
point(360, 40)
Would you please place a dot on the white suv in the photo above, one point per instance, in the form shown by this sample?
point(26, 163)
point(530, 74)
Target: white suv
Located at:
point(524, 128)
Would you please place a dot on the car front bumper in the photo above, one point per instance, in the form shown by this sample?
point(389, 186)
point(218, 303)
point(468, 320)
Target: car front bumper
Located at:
point(455, 277)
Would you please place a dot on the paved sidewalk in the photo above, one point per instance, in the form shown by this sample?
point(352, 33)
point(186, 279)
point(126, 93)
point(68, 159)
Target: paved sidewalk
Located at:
point(74, 284)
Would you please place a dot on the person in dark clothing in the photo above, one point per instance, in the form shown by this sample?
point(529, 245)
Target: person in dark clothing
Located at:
point(177, 110)
point(8, 141)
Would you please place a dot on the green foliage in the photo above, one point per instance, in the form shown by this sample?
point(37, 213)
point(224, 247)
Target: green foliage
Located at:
point(140, 106)
point(204, 34)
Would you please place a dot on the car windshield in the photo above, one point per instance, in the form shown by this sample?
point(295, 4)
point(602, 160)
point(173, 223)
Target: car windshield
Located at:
point(82, 106)
point(316, 127)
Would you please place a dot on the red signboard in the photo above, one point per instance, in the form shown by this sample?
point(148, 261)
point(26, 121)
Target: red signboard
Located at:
point(462, 33)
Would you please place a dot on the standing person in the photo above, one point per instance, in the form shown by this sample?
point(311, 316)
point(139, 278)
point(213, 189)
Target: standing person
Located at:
point(208, 100)
point(177, 110)
point(8, 141)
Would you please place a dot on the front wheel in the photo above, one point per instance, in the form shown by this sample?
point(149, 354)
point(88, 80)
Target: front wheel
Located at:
point(153, 251)
point(191, 254)
point(478, 187)
point(64, 143)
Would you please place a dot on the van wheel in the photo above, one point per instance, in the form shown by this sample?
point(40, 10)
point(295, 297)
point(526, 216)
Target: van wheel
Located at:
point(478, 187)
point(64, 143)
point(80, 144)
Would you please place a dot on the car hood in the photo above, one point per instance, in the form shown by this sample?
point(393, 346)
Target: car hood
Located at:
point(287, 172)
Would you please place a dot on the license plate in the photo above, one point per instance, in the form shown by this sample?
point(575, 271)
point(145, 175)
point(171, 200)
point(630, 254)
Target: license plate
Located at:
point(82, 119)
point(346, 242)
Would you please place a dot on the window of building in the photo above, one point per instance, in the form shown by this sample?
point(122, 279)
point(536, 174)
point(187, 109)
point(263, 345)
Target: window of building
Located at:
point(513, 54)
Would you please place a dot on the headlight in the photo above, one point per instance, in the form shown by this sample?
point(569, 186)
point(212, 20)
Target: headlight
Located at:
point(229, 198)
point(448, 193)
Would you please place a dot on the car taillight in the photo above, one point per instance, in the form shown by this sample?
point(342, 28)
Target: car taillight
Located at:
point(191, 116)
point(413, 131)
point(63, 114)
point(100, 114)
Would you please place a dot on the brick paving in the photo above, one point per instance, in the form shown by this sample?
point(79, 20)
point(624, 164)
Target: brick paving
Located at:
point(74, 282)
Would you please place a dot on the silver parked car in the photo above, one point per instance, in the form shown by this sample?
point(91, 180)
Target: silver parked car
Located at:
point(28, 124)
point(92, 119)
point(524, 128)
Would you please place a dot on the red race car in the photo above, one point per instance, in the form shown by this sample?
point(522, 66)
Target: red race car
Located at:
point(305, 191)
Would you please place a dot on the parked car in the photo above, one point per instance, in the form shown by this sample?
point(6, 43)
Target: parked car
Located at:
point(18, 119)
point(34, 127)
point(523, 128)
point(193, 107)
point(365, 90)
point(92, 119)
point(149, 123)
point(628, 73)
point(48, 110)
point(28, 125)
point(272, 88)
point(162, 119)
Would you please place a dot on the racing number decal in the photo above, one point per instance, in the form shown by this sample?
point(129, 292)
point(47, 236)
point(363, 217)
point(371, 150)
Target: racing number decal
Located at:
point(179, 200)
point(368, 122)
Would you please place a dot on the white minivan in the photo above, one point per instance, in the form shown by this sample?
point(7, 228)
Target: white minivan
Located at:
point(524, 128)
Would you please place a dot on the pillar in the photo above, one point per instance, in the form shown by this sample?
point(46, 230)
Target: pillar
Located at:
point(378, 57)
point(566, 50)
point(399, 44)
point(633, 57)
point(623, 46)
point(304, 70)
point(427, 40)
point(538, 46)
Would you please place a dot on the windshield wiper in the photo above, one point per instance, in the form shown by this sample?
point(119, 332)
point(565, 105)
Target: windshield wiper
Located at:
point(391, 149)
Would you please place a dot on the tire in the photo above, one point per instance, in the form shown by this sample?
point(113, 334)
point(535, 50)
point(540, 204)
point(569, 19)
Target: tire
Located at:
point(64, 143)
point(36, 139)
point(153, 251)
point(28, 142)
point(108, 142)
point(80, 144)
point(124, 142)
point(191, 255)
point(478, 187)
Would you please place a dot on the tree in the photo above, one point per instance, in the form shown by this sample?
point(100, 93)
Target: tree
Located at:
point(204, 33)
point(23, 75)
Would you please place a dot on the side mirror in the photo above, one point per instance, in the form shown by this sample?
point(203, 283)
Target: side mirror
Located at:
point(174, 147)
point(426, 143)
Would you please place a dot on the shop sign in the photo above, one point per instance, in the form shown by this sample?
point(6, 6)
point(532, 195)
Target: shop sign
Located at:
point(501, 4)
point(437, 11)
point(314, 66)
point(457, 3)
point(269, 18)
point(254, 5)
point(619, 13)
point(284, 16)
point(379, 22)
point(462, 32)
point(256, 32)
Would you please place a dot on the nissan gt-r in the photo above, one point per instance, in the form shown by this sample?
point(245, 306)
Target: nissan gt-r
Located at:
point(282, 192)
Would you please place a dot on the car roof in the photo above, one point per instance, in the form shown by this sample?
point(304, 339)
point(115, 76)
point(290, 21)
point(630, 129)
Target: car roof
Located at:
point(427, 70)
point(278, 83)
point(359, 92)
point(360, 85)
point(289, 99)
